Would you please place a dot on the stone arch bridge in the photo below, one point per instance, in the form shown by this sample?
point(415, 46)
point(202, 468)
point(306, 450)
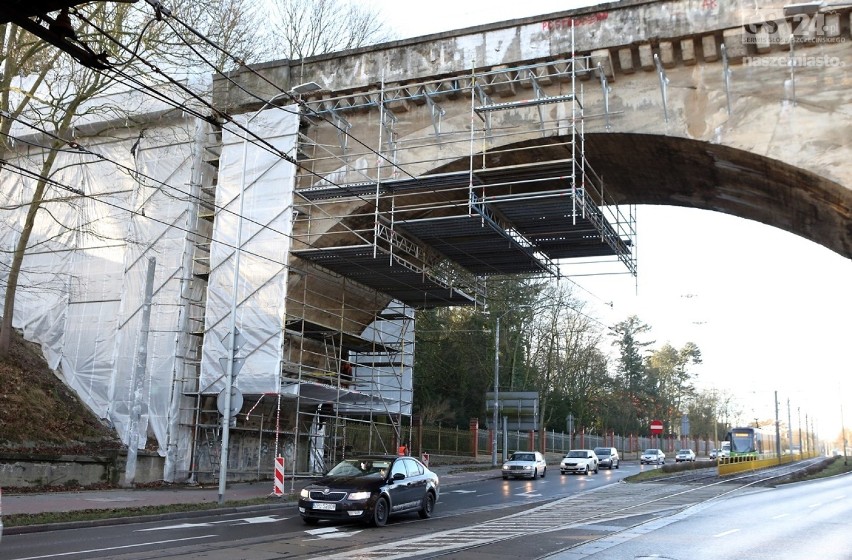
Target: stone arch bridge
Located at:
point(427, 164)
point(684, 102)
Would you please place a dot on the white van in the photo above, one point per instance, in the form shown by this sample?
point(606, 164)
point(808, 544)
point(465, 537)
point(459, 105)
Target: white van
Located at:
point(725, 452)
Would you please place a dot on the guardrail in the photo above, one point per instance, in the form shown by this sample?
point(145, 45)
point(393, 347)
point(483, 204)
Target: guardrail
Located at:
point(733, 465)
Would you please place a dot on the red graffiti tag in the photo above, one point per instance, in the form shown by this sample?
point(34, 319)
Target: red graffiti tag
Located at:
point(565, 23)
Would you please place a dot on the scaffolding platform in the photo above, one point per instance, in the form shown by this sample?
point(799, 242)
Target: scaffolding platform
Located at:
point(388, 273)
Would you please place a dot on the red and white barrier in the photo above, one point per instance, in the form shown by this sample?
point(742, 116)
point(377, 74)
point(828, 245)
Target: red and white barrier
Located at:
point(278, 489)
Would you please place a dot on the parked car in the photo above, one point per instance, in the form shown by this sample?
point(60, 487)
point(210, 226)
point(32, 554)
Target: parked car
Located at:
point(579, 461)
point(685, 455)
point(655, 456)
point(607, 457)
point(525, 464)
point(371, 488)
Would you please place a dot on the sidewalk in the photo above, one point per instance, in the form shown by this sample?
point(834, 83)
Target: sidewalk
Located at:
point(32, 503)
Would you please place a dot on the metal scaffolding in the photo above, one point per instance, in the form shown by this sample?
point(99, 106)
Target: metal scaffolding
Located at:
point(416, 218)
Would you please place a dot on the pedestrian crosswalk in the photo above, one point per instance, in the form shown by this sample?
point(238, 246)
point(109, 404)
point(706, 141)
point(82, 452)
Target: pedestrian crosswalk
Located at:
point(558, 515)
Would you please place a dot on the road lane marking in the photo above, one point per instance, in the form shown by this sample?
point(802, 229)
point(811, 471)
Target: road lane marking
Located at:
point(331, 533)
point(245, 520)
point(123, 547)
point(780, 516)
point(726, 533)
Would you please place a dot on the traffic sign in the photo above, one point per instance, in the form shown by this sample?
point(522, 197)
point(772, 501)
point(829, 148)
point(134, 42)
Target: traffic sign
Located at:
point(656, 427)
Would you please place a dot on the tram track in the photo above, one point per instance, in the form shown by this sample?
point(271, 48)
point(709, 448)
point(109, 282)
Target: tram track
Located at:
point(648, 501)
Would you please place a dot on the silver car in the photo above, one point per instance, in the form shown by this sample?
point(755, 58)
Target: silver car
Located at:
point(607, 457)
point(525, 464)
point(655, 456)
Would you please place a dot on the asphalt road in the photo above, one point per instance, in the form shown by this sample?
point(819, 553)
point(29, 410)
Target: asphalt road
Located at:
point(281, 526)
point(559, 517)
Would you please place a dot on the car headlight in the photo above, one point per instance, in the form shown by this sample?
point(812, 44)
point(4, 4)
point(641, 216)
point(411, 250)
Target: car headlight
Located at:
point(355, 496)
point(527, 468)
point(305, 493)
point(505, 467)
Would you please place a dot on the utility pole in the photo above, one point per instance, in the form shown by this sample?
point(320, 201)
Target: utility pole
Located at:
point(777, 429)
point(790, 428)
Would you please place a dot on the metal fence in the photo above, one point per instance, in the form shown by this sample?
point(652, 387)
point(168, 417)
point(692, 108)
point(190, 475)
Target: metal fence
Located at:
point(455, 441)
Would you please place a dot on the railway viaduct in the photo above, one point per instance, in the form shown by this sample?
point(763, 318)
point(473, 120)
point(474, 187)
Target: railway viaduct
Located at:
point(427, 164)
point(704, 108)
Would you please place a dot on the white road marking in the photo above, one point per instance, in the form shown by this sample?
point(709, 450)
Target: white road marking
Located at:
point(780, 516)
point(462, 492)
point(726, 533)
point(124, 547)
point(245, 520)
point(331, 533)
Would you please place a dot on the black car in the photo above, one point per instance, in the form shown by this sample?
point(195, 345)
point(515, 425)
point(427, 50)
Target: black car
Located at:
point(370, 488)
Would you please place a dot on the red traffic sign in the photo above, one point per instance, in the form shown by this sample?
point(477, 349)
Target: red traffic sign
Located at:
point(656, 427)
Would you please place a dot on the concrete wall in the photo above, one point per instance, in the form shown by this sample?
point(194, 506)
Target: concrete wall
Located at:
point(33, 471)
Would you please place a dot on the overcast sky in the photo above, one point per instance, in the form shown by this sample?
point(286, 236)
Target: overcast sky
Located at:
point(769, 310)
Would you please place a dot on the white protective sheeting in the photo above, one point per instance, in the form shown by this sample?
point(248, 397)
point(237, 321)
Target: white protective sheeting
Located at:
point(265, 181)
point(81, 289)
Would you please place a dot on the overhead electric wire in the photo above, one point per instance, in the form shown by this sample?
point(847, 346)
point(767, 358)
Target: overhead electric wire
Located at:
point(245, 129)
point(58, 184)
point(265, 145)
point(79, 148)
point(242, 64)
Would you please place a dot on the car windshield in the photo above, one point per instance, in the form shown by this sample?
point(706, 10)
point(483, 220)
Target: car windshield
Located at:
point(523, 457)
point(684, 451)
point(602, 451)
point(576, 454)
point(361, 467)
point(650, 452)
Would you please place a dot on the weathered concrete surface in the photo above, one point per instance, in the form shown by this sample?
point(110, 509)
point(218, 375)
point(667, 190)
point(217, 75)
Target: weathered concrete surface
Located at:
point(23, 471)
point(762, 141)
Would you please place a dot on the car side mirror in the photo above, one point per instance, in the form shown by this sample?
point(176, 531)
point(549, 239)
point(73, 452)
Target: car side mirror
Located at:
point(398, 476)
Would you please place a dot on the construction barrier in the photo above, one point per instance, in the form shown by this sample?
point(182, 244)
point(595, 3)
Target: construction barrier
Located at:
point(278, 489)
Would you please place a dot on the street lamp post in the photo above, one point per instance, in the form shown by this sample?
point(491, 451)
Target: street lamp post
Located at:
point(232, 334)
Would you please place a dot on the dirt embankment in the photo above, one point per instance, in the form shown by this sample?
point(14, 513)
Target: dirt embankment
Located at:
point(39, 414)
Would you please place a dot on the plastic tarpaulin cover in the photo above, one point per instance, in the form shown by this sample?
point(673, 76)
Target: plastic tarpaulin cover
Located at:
point(255, 178)
point(81, 290)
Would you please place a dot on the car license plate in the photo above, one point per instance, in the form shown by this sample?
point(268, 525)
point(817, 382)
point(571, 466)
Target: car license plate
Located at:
point(328, 507)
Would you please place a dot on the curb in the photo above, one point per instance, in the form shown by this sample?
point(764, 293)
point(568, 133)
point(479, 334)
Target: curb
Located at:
point(224, 510)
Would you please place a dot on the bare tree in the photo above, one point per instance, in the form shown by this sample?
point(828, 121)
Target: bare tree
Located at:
point(46, 87)
point(312, 27)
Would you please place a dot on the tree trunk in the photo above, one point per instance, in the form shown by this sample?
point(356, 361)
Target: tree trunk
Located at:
point(18, 257)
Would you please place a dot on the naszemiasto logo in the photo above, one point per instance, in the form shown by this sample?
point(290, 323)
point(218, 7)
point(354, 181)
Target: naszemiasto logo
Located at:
point(803, 27)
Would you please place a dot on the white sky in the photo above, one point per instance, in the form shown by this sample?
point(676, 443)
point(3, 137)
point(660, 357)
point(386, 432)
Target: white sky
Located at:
point(770, 311)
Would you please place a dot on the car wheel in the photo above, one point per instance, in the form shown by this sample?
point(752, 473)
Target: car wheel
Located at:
point(428, 506)
point(596, 469)
point(505, 477)
point(587, 470)
point(543, 472)
point(563, 473)
point(380, 512)
point(310, 520)
point(618, 464)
